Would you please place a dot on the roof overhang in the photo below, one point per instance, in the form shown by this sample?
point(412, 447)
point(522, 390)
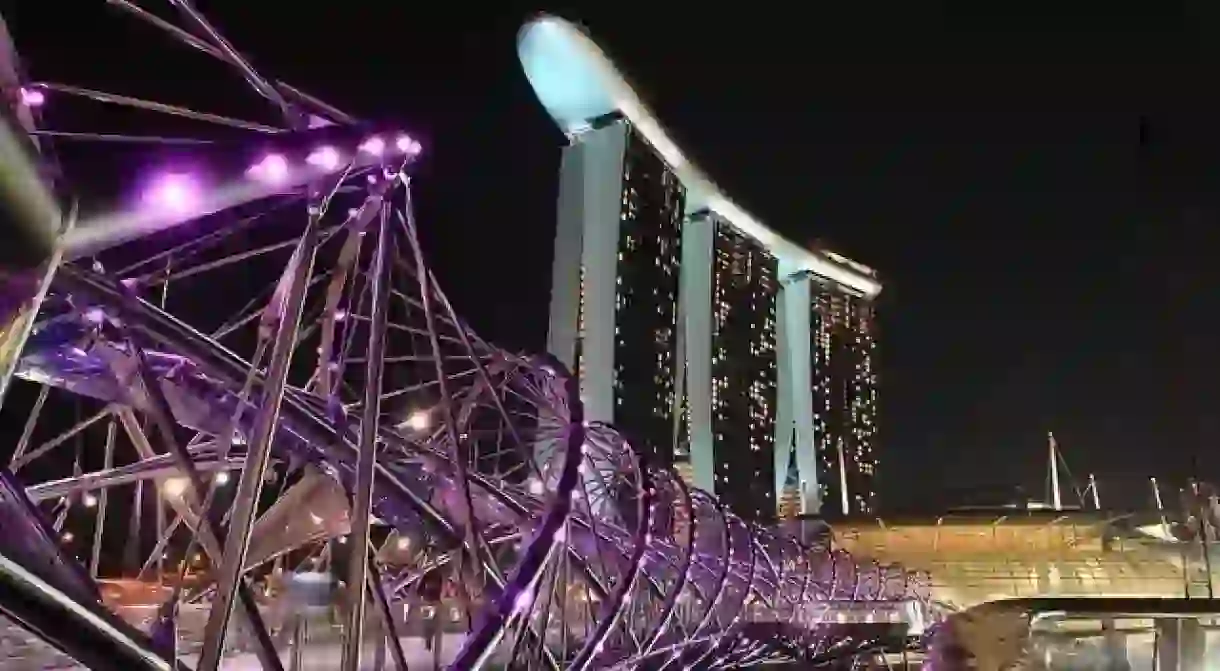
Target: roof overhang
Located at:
point(577, 83)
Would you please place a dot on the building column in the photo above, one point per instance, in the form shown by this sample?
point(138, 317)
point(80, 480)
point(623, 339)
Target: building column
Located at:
point(587, 241)
point(1114, 646)
point(1193, 644)
point(794, 389)
point(1181, 644)
point(695, 297)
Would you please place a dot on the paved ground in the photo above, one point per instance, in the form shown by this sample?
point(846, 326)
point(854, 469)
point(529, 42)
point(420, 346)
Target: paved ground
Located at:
point(21, 651)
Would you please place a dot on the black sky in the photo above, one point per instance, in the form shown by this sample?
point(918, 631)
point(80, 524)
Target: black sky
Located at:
point(1039, 192)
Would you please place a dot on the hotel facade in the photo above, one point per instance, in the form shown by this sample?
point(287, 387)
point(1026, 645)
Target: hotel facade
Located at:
point(713, 344)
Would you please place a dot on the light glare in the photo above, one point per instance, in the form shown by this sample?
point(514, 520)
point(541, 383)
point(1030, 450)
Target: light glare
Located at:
point(418, 420)
point(326, 158)
point(175, 193)
point(175, 487)
point(272, 168)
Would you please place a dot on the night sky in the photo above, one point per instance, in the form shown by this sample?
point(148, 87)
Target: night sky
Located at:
point(1039, 193)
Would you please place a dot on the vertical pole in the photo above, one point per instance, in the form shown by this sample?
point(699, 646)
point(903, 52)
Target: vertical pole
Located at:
point(160, 522)
point(1056, 499)
point(1160, 506)
point(1196, 505)
point(1096, 494)
point(245, 504)
point(137, 518)
point(103, 499)
point(1160, 509)
point(362, 506)
point(159, 518)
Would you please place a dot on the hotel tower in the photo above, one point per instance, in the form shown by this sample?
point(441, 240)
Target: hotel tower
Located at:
point(712, 343)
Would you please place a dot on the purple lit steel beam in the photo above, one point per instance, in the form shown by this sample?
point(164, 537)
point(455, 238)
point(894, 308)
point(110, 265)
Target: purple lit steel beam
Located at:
point(258, 455)
point(358, 563)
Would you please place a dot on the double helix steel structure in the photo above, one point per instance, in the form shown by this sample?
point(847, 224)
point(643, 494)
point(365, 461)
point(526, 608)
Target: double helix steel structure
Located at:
point(248, 370)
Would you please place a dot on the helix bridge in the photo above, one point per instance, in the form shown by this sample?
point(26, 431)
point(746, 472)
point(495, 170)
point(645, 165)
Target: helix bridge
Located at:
point(255, 346)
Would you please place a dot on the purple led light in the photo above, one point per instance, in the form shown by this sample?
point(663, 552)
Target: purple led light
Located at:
point(407, 145)
point(32, 97)
point(174, 193)
point(272, 168)
point(374, 146)
point(326, 158)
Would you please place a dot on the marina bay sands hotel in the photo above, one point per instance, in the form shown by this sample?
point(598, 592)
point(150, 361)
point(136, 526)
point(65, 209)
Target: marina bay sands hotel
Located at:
point(714, 344)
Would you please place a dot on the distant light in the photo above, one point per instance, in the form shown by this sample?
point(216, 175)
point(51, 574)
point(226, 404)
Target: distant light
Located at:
point(175, 193)
point(94, 315)
point(407, 145)
point(67, 537)
point(418, 420)
point(536, 487)
point(222, 478)
point(326, 158)
point(175, 487)
point(89, 500)
point(33, 97)
point(272, 168)
point(404, 543)
point(373, 146)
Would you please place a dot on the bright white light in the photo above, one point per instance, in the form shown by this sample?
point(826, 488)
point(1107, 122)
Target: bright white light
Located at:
point(89, 500)
point(222, 478)
point(418, 420)
point(404, 543)
point(326, 158)
point(374, 146)
point(68, 537)
point(406, 145)
point(536, 487)
point(175, 487)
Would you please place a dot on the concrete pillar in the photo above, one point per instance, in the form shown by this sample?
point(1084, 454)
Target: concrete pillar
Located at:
point(1167, 644)
point(1193, 644)
point(695, 297)
point(1114, 645)
point(1180, 645)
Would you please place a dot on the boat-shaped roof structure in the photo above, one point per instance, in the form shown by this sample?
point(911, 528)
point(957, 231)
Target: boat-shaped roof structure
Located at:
point(577, 84)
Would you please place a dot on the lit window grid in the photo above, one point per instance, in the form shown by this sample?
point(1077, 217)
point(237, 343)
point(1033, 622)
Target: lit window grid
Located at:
point(744, 295)
point(844, 397)
point(646, 297)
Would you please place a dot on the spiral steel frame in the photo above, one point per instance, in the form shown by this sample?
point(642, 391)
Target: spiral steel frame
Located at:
point(589, 562)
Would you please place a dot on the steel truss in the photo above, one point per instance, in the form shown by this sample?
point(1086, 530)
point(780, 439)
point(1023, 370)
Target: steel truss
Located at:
point(343, 419)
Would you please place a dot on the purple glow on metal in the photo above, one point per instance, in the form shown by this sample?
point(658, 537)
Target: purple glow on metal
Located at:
point(523, 601)
point(714, 578)
point(32, 97)
point(273, 168)
point(327, 158)
point(173, 193)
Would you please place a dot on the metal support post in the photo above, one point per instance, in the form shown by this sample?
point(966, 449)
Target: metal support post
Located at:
point(103, 500)
point(245, 505)
point(387, 617)
point(362, 506)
